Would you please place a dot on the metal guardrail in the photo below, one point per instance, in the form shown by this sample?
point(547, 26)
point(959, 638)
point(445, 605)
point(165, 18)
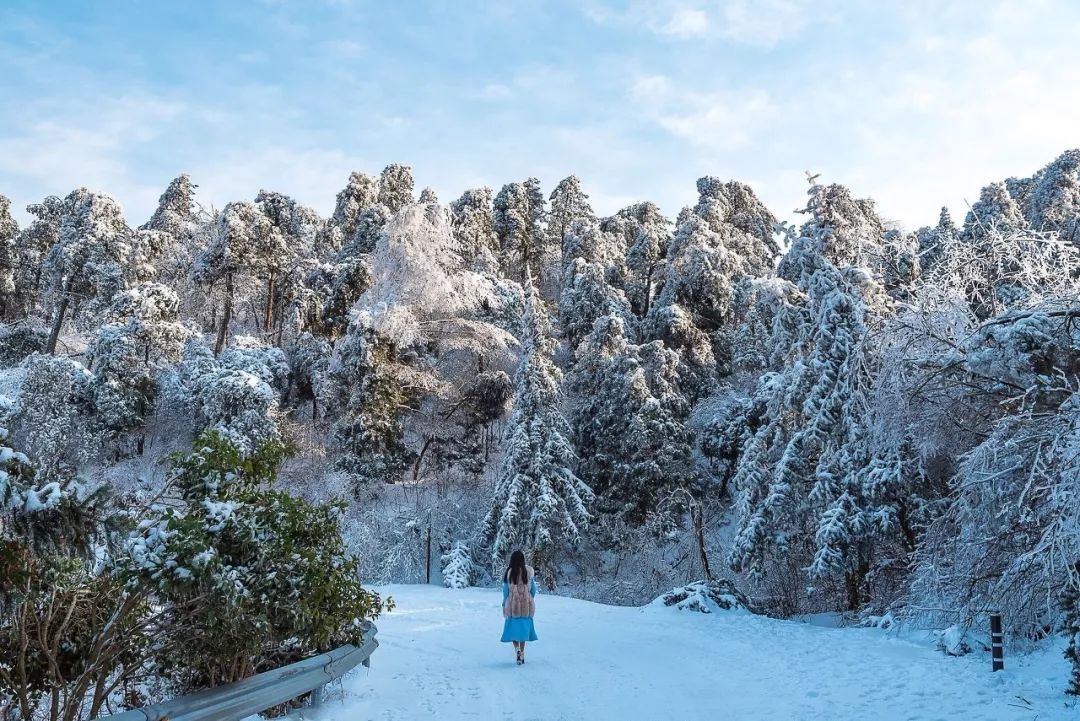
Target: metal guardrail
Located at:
point(235, 701)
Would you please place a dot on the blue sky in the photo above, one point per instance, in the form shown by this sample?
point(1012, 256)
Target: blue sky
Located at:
point(916, 104)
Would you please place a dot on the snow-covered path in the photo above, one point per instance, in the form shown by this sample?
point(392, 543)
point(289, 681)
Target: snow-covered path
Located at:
point(440, 658)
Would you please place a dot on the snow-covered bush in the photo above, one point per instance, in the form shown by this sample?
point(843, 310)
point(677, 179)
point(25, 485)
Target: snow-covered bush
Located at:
point(252, 577)
point(19, 341)
point(69, 632)
point(706, 597)
point(953, 641)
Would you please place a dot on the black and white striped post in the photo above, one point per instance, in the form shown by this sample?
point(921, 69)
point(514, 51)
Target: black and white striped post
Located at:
point(997, 642)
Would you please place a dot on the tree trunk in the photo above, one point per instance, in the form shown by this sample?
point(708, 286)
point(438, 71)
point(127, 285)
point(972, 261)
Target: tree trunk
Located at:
point(268, 314)
point(58, 321)
point(699, 531)
point(226, 316)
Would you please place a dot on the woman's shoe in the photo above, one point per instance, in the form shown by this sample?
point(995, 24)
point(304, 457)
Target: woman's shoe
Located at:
point(520, 657)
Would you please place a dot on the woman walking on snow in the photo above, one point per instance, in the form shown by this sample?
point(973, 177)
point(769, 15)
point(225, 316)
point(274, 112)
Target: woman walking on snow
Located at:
point(519, 588)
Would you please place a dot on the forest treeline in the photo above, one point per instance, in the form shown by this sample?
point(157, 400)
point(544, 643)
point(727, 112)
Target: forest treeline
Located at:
point(842, 415)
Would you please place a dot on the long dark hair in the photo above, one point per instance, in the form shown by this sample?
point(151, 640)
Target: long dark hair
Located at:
point(516, 572)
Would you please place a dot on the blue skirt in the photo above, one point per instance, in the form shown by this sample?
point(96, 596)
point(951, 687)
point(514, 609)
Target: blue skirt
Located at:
point(518, 628)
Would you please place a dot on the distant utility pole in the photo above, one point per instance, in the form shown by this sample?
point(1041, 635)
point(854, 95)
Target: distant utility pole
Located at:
point(427, 546)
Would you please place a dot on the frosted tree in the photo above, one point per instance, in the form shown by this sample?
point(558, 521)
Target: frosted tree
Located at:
point(647, 235)
point(142, 336)
point(32, 246)
point(585, 239)
point(539, 502)
point(9, 256)
point(569, 203)
point(236, 394)
point(629, 421)
point(369, 435)
point(50, 417)
point(428, 197)
point(244, 245)
point(695, 307)
point(300, 229)
point(845, 230)
point(901, 266)
point(175, 212)
point(807, 471)
point(410, 334)
point(587, 296)
point(89, 262)
point(396, 187)
point(457, 566)
point(1008, 536)
point(519, 215)
point(994, 212)
point(934, 241)
point(1055, 197)
point(369, 226)
point(734, 204)
point(474, 229)
point(361, 192)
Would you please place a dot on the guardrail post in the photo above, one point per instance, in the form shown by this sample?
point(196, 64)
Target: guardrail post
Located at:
point(316, 696)
point(997, 642)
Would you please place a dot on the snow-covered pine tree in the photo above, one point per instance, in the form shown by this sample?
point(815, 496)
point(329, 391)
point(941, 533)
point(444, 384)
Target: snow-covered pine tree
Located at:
point(569, 203)
point(457, 566)
point(845, 230)
point(934, 241)
point(244, 246)
point(360, 192)
point(177, 224)
point(9, 256)
point(735, 204)
point(539, 504)
point(807, 470)
point(175, 212)
point(90, 260)
point(51, 413)
point(647, 234)
point(301, 230)
point(474, 230)
point(32, 246)
point(587, 296)
point(396, 187)
point(519, 216)
point(1053, 198)
point(368, 436)
point(142, 335)
point(995, 212)
point(694, 312)
point(628, 419)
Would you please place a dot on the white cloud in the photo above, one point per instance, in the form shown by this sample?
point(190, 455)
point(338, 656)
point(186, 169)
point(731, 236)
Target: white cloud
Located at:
point(762, 22)
point(85, 146)
point(720, 120)
point(343, 49)
point(495, 91)
point(687, 23)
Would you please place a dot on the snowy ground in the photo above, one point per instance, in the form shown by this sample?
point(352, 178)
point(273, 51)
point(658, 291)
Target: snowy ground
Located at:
point(440, 658)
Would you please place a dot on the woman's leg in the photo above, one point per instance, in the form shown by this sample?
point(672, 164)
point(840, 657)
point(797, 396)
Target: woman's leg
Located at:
point(523, 652)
